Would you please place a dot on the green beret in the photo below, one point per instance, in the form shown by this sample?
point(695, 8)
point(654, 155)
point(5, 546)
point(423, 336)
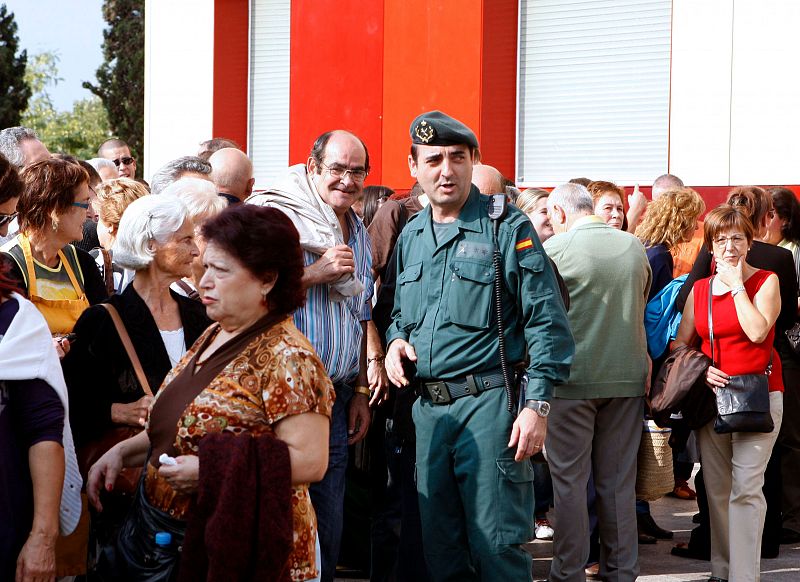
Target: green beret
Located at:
point(435, 128)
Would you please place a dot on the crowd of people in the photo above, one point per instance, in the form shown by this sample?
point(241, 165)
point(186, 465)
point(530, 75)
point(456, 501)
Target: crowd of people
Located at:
point(186, 365)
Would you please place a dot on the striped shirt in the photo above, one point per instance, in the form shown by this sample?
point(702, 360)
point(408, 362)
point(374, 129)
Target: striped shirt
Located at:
point(334, 327)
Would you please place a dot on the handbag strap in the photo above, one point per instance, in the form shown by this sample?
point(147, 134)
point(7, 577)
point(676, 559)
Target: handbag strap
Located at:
point(711, 321)
point(126, 342)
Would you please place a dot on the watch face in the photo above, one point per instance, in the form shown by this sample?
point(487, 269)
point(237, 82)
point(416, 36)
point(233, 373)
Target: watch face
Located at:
point(544, 408)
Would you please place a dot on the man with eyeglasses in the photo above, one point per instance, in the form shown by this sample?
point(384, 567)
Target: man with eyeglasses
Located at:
point(118, 152)
point(318, 197)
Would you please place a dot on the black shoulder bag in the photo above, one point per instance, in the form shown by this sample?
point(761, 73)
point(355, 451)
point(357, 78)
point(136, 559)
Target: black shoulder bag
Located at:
point(742, 405)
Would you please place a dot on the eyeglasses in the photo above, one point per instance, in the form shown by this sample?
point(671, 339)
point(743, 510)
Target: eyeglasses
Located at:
point(6, 218)
point(127, 161)
point(736, 239)
point(84, 205)
point(340, 173)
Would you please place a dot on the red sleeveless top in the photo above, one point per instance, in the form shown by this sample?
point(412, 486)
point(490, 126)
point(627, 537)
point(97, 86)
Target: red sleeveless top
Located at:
point(733, 350)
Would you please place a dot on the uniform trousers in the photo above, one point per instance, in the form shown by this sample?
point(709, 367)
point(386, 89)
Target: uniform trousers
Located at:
point(733, 471)
point(601, 435)
point(475, 501)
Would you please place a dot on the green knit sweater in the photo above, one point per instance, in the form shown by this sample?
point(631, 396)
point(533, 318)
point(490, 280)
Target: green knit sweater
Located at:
point(608, 277)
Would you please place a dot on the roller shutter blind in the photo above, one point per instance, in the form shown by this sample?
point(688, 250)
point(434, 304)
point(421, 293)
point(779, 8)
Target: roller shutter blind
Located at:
point(268, 132)
point(593, 90)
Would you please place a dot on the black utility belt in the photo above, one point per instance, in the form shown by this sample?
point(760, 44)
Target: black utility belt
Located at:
point(445, 391)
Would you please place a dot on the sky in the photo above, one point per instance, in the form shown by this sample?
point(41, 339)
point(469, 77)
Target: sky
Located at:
point(71, 28)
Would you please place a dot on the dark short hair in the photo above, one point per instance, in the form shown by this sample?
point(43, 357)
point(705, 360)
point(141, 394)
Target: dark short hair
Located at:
point(49, 189)
point(264, 241)
point(726, 217)
point(582, 181)
point(10, 182)
point(114, 142)
point(318, 149)
point(754, 201)
point(788, 208)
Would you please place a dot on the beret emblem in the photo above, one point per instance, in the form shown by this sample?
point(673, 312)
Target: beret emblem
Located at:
point(424, 131)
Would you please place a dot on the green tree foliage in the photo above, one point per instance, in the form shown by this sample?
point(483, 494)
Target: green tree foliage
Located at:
point(14, 92)
point(120, 79)
point(78, 132)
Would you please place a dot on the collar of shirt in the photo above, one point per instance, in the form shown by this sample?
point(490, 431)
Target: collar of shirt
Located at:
point(592, 218)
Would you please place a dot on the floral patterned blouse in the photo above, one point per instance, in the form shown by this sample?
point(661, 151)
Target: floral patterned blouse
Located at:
point(277, 375)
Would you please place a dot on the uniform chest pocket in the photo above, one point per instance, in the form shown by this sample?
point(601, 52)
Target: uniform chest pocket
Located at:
point(470, 297)
point(409, 286)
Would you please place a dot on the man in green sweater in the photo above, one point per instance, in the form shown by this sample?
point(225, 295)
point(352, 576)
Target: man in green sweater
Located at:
point(596, 417)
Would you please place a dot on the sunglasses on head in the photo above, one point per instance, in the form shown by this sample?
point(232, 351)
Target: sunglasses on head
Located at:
point(6, 218)
point(127, 160)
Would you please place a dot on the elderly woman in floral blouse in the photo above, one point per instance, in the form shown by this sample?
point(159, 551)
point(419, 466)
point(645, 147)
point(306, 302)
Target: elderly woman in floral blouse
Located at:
point(251, 372)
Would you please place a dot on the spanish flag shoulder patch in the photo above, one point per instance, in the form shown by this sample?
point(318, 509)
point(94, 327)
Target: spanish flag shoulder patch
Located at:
point(525, 243)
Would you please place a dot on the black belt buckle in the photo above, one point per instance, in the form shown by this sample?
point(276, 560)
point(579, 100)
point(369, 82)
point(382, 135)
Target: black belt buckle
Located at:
point(438, 392)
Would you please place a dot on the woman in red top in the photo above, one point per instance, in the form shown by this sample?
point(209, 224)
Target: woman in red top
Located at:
point(745, 304)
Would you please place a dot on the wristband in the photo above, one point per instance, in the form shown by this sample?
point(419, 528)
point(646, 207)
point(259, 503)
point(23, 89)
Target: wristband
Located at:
point(736, 290)
point(379, 358)
point(363, 390)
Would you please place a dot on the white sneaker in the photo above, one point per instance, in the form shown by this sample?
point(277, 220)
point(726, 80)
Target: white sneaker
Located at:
point(544, 531)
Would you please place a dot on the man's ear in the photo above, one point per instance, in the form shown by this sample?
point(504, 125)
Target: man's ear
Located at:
point(311, 165)
point(249, 188)
point(412, 166)
point(559, 214)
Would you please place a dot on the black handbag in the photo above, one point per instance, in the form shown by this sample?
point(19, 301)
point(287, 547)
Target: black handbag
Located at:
point(134, 555)
point(742, 405)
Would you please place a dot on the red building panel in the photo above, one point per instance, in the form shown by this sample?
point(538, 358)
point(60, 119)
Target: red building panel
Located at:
point(231, 69)
point(336, 75)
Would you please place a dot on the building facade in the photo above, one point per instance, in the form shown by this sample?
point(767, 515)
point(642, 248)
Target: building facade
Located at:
point(621, 90)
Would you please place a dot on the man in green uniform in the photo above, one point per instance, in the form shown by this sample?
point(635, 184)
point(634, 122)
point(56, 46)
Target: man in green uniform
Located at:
point(474, 482)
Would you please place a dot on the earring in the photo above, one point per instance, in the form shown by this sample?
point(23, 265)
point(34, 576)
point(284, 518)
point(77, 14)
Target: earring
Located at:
point(55, 226)
point(264, 295)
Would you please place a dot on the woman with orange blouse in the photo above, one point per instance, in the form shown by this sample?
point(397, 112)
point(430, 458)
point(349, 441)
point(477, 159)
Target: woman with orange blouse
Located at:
point(251, 373)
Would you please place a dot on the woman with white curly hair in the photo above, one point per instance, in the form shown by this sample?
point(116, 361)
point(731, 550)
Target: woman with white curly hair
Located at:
point(155, 238)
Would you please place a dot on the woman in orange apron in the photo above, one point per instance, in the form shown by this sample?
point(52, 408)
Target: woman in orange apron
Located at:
point(60, 280)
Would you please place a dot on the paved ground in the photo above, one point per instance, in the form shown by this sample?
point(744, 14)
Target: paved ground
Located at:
point(658, 565)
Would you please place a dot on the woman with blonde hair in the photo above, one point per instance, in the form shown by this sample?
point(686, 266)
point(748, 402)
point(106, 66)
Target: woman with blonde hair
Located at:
point(670, 220)
point(533, 202)
point(113, 197)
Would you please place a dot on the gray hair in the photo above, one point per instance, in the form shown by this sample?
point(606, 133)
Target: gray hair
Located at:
point(98, 163)
point(666, 182)
point(573, 198)
point(199, 196)
point(149, 218)
point(172, 171)
point(10, 140)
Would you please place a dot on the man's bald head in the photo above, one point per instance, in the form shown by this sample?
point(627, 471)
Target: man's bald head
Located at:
point(488, 179)
point(664, 183)
point(232, 172)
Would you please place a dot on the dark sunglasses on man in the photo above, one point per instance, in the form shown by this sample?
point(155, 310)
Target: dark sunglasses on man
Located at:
point(127, 161)
point(6, 218)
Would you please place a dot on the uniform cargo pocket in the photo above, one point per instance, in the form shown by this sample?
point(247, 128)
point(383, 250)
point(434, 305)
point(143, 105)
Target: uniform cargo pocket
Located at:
point(514, 502)
point(470, 300)
point(409, 286)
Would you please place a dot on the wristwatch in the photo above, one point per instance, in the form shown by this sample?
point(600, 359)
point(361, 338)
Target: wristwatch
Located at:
point(540, 407)
point(736, 290)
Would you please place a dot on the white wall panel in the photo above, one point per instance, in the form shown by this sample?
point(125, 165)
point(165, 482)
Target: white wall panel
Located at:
point(179, 79)
point(268, 132)
point(701, 89)
point(765, 100)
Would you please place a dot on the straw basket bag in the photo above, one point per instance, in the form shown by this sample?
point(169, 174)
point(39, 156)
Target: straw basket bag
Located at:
point(654, 477)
